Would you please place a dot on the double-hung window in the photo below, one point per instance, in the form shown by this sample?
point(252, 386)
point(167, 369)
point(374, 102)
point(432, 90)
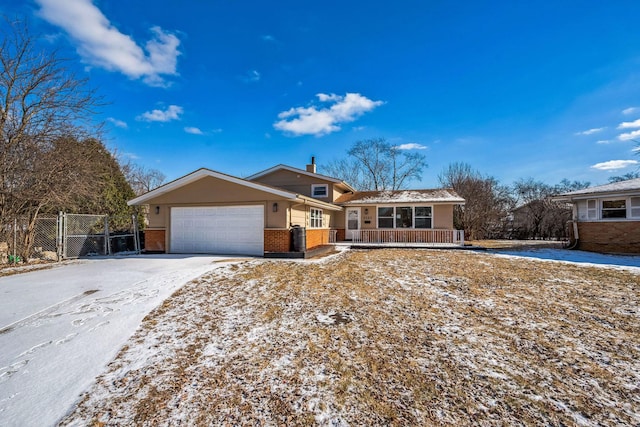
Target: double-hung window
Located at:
point(592, 209)
point(315, 220)
point(385, 217)
point(614, 208)
point(423, 217)
point(635, 207)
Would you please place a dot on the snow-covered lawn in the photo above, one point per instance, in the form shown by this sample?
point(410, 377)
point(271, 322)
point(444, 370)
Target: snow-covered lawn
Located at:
point(61, 326)
point(400, 337)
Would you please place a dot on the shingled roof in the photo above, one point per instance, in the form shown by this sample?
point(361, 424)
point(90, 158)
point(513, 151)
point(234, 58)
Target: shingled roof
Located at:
point(440, 195)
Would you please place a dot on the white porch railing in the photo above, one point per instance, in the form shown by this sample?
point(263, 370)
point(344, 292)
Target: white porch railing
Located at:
point(409, 236)
point(332, 236)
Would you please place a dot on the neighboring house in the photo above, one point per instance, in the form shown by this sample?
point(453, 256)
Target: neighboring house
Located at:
point(211, 212)
point(606, 218)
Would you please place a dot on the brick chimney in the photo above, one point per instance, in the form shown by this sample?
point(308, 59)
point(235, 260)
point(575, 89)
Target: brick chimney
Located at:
point(312, 167)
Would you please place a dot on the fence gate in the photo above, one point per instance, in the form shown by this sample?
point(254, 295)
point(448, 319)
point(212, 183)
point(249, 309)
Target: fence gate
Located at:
point(86, 235)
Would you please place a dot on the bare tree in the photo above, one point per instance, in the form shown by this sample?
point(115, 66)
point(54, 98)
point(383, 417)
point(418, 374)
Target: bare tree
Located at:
point(374, 164)
point(625, 177)
point(538, 216)
point(42, 104)
point(487, 203)
point(142, 179)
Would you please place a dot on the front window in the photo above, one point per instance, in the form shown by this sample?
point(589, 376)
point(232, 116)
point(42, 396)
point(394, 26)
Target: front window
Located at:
point(385, 217)
point(614, 209)
point(319, 190)
point(423, 217)
point(405, 217)
point(315, 220)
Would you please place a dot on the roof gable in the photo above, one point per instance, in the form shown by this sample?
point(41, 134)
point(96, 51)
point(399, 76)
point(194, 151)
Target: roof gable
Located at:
point(203, 173)
point(297, 171)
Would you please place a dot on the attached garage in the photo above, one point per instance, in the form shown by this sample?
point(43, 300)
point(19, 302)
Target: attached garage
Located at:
point(208, 212)
point(218, 229)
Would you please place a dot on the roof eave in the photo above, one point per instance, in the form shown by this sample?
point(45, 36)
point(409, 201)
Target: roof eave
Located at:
point(310, 201)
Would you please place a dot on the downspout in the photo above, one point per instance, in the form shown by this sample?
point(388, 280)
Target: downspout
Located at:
point(304, 203)
point(574, 222)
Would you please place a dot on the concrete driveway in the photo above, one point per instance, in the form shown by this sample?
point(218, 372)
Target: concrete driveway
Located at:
point(60, 327)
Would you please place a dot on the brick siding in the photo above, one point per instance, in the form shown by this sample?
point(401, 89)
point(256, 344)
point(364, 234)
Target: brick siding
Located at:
point(610, 236)
point(277, 240)
point(154, 240)
point(317, 238)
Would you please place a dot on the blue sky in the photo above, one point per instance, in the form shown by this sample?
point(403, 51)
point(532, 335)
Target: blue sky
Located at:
point(517, 89)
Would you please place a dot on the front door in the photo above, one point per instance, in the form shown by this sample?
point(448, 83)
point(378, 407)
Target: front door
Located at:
point(353, 223)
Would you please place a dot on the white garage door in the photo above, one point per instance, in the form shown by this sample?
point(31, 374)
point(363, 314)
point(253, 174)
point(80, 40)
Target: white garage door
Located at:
point(218, 230)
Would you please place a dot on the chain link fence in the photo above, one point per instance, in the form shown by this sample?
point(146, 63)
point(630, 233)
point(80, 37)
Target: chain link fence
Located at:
point(15, 241)
point(67, 236)
point(84, 235)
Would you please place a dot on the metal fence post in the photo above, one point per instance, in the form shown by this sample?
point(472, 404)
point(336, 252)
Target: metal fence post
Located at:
point(15, 239)
point(59, 240)
point(136, 234)
point(107, 242)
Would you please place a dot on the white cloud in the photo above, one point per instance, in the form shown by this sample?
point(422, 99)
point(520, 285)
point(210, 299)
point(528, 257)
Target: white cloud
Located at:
point(630, 125)
point(101, 44)
point(590, 131)
point(630, 110)
point(614, 164)
point(411, 146)
point(604, 141)
point(629, 136)
point(318, 122)
point(193, 130)
point(118, 123)
point(252, 77)
point(172, 112)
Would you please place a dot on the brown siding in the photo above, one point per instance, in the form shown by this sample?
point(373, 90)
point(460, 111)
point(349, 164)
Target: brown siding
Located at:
point(277, 241)
point(317, 237)
point(369, 213)
point(210, 190)
point(154, 240)
point(158, 220)
point(610, 237)
point(443, 217)
point(297, 183)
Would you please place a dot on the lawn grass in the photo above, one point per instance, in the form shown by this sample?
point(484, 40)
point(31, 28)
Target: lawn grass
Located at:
point(383, 337)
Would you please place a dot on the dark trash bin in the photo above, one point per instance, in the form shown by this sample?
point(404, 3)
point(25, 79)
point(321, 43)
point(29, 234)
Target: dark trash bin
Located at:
point(299, 238)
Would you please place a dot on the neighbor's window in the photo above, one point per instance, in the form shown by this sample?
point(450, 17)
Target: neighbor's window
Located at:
point(385, 217)
point(635, 207)
point(316, 218)
point(592, 209)
point(614, 209)
point(319, 190)
point(423, 217)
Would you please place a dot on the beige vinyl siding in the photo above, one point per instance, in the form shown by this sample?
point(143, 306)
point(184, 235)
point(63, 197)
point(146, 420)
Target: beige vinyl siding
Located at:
point(299, 216)
point(294, 182)
point(443, 216)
